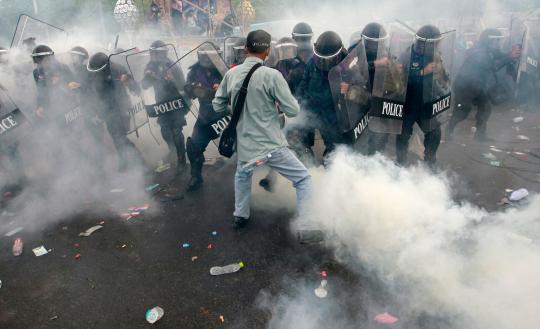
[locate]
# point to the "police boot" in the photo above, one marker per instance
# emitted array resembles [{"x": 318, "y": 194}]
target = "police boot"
[{"x": 196, "y": 160}]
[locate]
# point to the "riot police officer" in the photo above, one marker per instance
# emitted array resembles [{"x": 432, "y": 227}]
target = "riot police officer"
[
  {"x": 420, "y": 60},
  {"x": 166, "y": 80},
  {"x": 111, "y": 83},
  {"x": 202, "y": 81},
  {"x": 315, "y": 93},
  {"x": 471, "y": 87},
  {"x": 302, "y": 35}
]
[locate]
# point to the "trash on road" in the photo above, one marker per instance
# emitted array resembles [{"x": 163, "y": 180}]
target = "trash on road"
[
  {"x": 117, "y": 190},
  {"x": 321, "y": 291},
  {"x": 186, "y": 245},
  {"x": 523, "y": 138},
  {"x": 151, "y": 188},
  {"x": 162, "y": 167},
  {"x": 102, "y": 222},
  {"x": 222, "y": 319},
  {"x": 519, "y": 194},
  {"x": 214, "y": 233},
  {"x": 517, "y": 119},
  {"x": 489, "y": 156},
  {"x": 53, "y": 318},
  {"x": 0, "y": 283},
  {"x": 494, "y": 149},
  {"x": 495, "y": 163},
  {"x": 228, "y": 269},
  {"x": 18, "y": 245},
  {"x": 77, "y": 256},
  {"x": 194, "y": 258},
  {"x": 386, "y": 318},
  {"x": 91, "y": 230},
  {"x": 40, "y": 251},
  {"x": 153, "y": 315},
  {"x": 14, "y": 231},
  {"x": 209, "y": 246}
]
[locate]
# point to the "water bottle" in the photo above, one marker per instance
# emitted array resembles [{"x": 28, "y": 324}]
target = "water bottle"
[
  {"x": 153, "y": 315},
  {"x": 220, "y": 270},
  {"x": 18, "y": 247},
  {"x": 250, "y": 165}
]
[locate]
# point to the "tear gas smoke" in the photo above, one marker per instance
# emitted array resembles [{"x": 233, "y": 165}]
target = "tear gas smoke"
[{"x": 432, "y": 256}]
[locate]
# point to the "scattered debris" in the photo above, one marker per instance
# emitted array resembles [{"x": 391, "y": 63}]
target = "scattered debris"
[
  {"x": 194, "y": 258},
  {"x": 153, "y": 315},
  {"x": 504, "y": 201},
  {"x": 53, "y": 318},
  {"x": 76, "y": 245},
  {"x": 523, "y": 138},
  {"x": 517, "y": 119},
  {"x": 386, "y": 318},
  {"x": 209, "y": 246},
  {"x": 214, "y": 233},
  {"x": 77, "y": 256},
  {"x": 102, "y": 222},
  {"x": 162, "y": 167},
  {"x": 186, "y": 245},
  {"x": 232, "y": 268},
  {"x": 117, "y": 190},
  {"x": 123, "y": 246},
  {"x": 151, "y": 187},
  {"x": 519, "y": 194},
  {"x": 0, "y": 283},
  {"x": 508, "y": 190},
  {"x": 91, "y": 230},
  {"x": 222, "y": 318},
  {"x": 321, "y": 291},
  {"x": 134, "y": 212},
  {"x": 324, "y": 274},
  {"x": 495, "y": 163},
  {"x": 18, "y": 245},
  {"x": 489, "y": 156},
  {"x": 494, "y": 149},
  {"x": 40, "y": 251},
  {"x": 14, "y": 231}
]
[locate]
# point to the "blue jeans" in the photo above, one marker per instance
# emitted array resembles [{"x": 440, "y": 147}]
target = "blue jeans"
[{"x": 284, "y": 162}]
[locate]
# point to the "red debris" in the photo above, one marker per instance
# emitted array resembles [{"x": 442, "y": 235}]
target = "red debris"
[
  {"x": 77, "y": 256},
  {"x": 324, "y": 274},
  {"x": 209, "y": 246}
]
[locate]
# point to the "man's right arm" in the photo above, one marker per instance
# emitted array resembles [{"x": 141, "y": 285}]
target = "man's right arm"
[{"x": 283, "y": 96}]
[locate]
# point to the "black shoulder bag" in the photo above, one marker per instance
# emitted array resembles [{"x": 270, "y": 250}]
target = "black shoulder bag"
[{"x": 228, "y": 136}]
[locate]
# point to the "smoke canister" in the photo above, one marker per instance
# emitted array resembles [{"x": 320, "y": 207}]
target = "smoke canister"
[{"x": 153, "y": 315}]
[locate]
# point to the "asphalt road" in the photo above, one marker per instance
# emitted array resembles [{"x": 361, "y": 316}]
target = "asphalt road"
[{"x": 130, "y": 266}]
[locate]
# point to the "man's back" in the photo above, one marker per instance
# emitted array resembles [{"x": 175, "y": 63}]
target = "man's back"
[{"x": 258, "y": 130}]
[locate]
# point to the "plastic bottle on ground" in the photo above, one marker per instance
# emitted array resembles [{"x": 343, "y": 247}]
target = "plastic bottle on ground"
[
  {"x": 220, "y": 270},
  {"x": 18, "y": 246}
]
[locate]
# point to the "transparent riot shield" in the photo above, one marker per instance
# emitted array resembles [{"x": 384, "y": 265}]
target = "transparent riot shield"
[
  {"x": 234, "y": 50},
  {"x": 390, "y": 80},
  {"x": 31, "y": 32},
  {"x": 437, "y": 84},
  {"x": 272, "y": 58},
  {"x": 161, "y": 84},
  {"x": 127, "y": 92},
  {"x": 14, "y": 125},
  {"x": 203, "y": 69},
  {"x": 349, "y": 82}
]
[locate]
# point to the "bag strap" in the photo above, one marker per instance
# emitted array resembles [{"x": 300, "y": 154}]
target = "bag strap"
[{"x": 239, "y": 106}]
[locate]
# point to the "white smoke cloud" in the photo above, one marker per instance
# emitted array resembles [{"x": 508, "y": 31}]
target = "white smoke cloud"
[{"x": 431, "y": 255}]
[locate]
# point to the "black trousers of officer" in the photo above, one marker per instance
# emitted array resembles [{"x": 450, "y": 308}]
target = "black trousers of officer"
[
  {"x": 432, "y": 137},
  {"x": 171, "y": 125},
  {"x": 327, "y": 126},
  {"x": 125, "y": 148},
  {"x": 202, "y": 135},
  {"x": 465, "y": 97}
]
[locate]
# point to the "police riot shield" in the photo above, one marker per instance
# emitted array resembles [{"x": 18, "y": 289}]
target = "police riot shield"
[
  {"x": 531, "y": 49},
  {"x": 126, "y": 92},
  {"x": 349, "y": 83},
  {"x": 390, "y": 80},
  {"x": 437, "y": 86},
  {"x": 203, "y": 69},
  {"x": 31, "y": 32},
  {"x": 234, "y": 50},
  {"x": 14, "y": 125},
  {"x": 161, "y": 84},
  {"x": 272, "y": 59}
]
